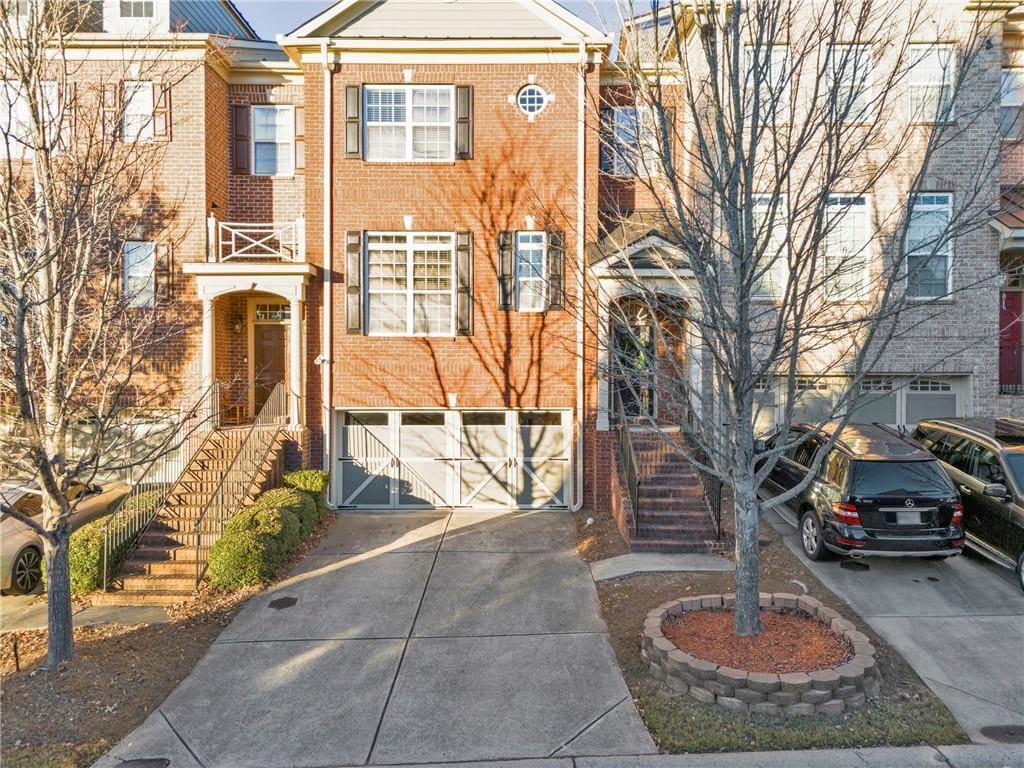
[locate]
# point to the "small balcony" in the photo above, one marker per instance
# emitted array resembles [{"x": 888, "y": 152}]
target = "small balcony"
[
  {"x": 1011, "y": 369},
  {"x": 266, "y": 243}
]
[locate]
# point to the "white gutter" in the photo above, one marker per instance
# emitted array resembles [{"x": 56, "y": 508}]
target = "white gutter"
[
  {"x": 326, "y": 345},
  {"x": 581, "y": 241}
]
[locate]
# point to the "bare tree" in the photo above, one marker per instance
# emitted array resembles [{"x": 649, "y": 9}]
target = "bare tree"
[
  {"x": 83, "y": 310},
  {"x": 790, "y": 154}
]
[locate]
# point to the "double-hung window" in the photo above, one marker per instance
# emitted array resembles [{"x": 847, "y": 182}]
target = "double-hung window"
[
  {"x": 410, "y": 122},
  {"x": 139, "y": 276},
  {"x": 769, "y": 244},
  {"x": 929, "y": 246},
  {"x": 850, "y": 68},
  {"x": 932, "y": 73},
  {"x": 16, "y": 124},
  {"x": 768, "y": 82},
  {"x": 410, "y": 284},
  {"x": 531, "y": 272},
  {"x": 137, "y": 117},
  {"x": 631, "y": 142},
  {"x": 847, "y": 243},
  {"x": 273, "y": 140}
]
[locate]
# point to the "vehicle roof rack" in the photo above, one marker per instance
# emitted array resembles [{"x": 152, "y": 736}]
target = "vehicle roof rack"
[
  {"x": 1007, "y": 427},
  {"x": 900, "y": 433}
]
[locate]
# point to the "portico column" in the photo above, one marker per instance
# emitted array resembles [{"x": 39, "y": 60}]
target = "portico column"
[
  {"x": 295, "y": 364},
  {"x": 207, "y": 357}
]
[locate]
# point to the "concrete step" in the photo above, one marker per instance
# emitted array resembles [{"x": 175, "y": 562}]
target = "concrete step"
[
  {"x": 670, "y": 545},
  {"x": 143, "y": 567}
]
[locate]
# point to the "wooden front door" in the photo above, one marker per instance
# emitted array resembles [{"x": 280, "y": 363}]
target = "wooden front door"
[{"x": 268, "y": 362}]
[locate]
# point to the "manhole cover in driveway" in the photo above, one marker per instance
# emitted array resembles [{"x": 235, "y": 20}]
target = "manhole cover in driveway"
[
  {"x": 282, "y": 602},
  {"x": 146, "y": 762},
  {"x": 1004, "y": 734}
]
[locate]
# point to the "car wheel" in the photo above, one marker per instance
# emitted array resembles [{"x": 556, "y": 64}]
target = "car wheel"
[
  {"x": 1020, "y": 570},
  {"x": 810, "y": 536},
  {"x": 27, "y": 572}
]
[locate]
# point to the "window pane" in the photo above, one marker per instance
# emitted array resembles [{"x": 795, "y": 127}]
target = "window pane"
[
  {"x": 139, "y": 284},
  {"x": 431, "y": 105},
  {"x": 387, "y": 313},
  {"x": 385, "y": 142},
  {"x": 850, "y": 67},
  {"x": 385, "y": 105},
  {"x": 531, "y": 282},
  {"x": 770, "y": 247},
  {"x": 138, "y": 111},
  {"x": 432, "y": 313},
  {"x": 846, "y": 247},
  {"x": 932, "y": 70},
  {"x": 431, "y": 142}
]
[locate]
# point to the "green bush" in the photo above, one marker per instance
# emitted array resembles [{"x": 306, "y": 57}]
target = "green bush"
[
  {"x": 85, "y": 548},
  {"x": 241, "y": 559},
  {"x": 298, "y": 503},
  {"x": 312, "y": 481}
]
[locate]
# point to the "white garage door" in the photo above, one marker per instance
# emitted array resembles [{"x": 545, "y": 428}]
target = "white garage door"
[{"x": 416, "y": 459}]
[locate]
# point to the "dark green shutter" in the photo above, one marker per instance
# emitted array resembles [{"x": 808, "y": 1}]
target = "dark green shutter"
[
  {"x": 464, "y": 272},
  {"x": 464, "y": 122},
  {"x": 506, "y": 266},
  {"x": 354, "y": 122},
  {"x": 354, "y": 281},
  {"x": 556, "y": 269}
]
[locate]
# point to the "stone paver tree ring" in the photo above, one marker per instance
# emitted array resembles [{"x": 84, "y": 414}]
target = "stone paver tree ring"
[{"x": 829, "y": 690}]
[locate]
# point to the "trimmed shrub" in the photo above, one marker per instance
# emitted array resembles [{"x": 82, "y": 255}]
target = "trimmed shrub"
[
  {"x": 241, "y": 559},
  {"x": 85, "y": 548},
  {"x": 312, "y": 481},
  {"x": 298, "y": 503}
]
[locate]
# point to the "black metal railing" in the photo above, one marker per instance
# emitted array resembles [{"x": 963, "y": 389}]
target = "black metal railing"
[
  {"x": 711, "y": 483},
  {"x": 1011, "y": 369},
  {"x": 627, "y": 460}
]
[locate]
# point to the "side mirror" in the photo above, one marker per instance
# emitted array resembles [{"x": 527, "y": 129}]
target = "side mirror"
[{"x": 996, "y": 490}]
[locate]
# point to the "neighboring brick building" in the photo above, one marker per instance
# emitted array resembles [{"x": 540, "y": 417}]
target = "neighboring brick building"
[{"x": 394, "y": 210}]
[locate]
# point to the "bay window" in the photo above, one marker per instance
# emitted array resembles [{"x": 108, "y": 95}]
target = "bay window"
[
  {"x": 929, "y": 246},
  {"x": 409, "y": 123},
  {"x": 410, "y": 284}
]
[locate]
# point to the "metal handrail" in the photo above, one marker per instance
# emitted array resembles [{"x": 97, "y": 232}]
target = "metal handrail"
[
  {"x": 711, "y": 483},
  {"x": 150, "y": 490},
  {"x": 627, "y": 460},
  {"x": 226, "y": 499}
]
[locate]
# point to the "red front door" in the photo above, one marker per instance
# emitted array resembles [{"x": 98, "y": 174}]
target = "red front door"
[{"x": 1011, "y": 339}]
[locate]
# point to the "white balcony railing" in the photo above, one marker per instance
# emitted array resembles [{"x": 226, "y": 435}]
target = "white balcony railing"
[{"x": 238, "y": 241}]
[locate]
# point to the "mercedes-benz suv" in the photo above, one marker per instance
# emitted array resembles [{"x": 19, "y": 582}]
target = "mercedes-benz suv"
[{"x": 877, "y": 492}]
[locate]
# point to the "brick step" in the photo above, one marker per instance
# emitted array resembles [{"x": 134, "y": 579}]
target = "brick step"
[
  {"x": 683, "y": 527},
  {"x": 667, "y": 518},
  {"x": 159, "y": 583},
  {"x": 171, "y": 540},
  {"x": 674, "y": 546},
  {"x": 659, "y": 503},
  {"x": 161, "y": 554},
  {"x": 123, "y": 597},
  {"x": 143, "y": 567}
]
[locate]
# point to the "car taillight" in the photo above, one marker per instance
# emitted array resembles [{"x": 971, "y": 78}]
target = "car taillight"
[
  {"x": 958, "y": 514},
  {"x": 845, "y": 513},
  {"x": 849, "y": 542}
]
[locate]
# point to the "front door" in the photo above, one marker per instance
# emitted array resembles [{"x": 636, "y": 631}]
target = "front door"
[
  {"x": 1011, "y": 340},
  {"x": 268, "y": 362}
]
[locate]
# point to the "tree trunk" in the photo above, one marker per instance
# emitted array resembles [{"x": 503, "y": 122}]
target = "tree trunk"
[
  {"x": 61, "y": 640},
  {"x": 747, "y": 613}
]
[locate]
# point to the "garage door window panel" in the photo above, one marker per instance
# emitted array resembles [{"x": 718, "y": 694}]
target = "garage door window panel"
[{"x": 424, "y": 466}]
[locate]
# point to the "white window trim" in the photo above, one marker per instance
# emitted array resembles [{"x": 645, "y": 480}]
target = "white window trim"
[
  {"x": 949, "y": 246},
  {"x": 543, "y": 278},
  {"x": 1011, "y": 87},
  {"x": 409, "y": 292},
  {"x": 868, "y": 80},
  {"x": 917, "y": 81},
  {"x": 868, "y": 250},
  {"x": 252, "y": 143},
  {"x": 410, "y": 124},
  {"x": 782, "y": 263},
  {"x": 131, "y": 299}
]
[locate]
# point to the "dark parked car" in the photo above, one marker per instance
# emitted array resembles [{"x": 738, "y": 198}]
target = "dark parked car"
[
  {"x": 985, "y": 459},
  {"x": 877, "y": 493}
]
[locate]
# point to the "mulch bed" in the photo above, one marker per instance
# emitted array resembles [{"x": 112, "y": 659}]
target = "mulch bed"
[{"x": 791, "y": 642}]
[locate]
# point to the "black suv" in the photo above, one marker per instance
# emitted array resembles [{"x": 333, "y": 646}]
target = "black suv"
[
  {"x": 877, "y": 493},
  {"x": 985, "y": 459}
]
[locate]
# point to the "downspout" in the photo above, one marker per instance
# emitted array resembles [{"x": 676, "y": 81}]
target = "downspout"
[
  {"x": 581, "y": 197},
  {"x": 326, "y": 345}
]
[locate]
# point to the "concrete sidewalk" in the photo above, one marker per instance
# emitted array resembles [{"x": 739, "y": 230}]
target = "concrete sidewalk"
[
  {"x": 27, "y": 612},
  {"x": 408, "y": 638}
]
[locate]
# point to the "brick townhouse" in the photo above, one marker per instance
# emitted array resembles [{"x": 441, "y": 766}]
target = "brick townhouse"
[{"x": 400, "y": 211}]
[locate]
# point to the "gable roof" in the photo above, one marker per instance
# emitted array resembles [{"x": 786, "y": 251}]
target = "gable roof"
[
  {"x": 635, "y": 239},
  {"x": 213, "y": 17},
  {"x": 448, "y": 19}
]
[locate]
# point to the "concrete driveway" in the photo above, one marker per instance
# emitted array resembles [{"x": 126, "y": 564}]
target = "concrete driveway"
[
  {"x": 959, "y": 623},
  {"x": 408, "y": 638}
]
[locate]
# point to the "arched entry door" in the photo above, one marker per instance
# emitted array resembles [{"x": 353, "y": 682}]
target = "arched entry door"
[{"x": 634, "y": 359}]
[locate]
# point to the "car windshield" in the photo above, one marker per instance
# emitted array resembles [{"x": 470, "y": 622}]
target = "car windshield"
[
  {"x": 1016, "y": 463},
  {"x": 899, "y": 478}
]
